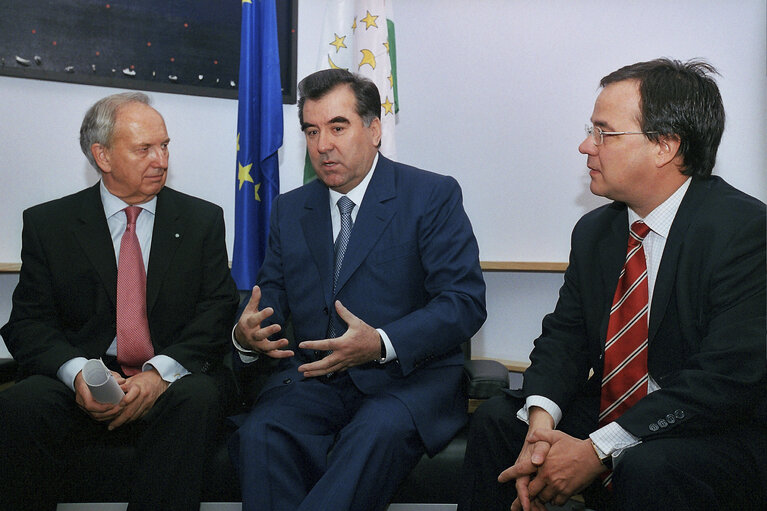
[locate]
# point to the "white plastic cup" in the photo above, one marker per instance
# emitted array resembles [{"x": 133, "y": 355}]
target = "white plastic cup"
[{"x": 101, "y": 382}]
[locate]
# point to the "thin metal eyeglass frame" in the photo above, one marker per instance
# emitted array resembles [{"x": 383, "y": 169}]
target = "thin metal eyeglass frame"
[{"x": 592, "y": 131}]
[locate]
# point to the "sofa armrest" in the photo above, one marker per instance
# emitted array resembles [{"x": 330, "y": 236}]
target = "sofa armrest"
[{"x": 485, "y": 378}]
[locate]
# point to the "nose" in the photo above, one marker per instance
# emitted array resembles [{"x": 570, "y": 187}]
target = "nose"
[
  {"x": 324, "y": 143},
  {"x": 160, "y": 156},
  {"x": 588, "y": 146}
]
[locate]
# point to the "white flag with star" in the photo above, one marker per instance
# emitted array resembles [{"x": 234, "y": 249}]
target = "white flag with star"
[{"x": 358, "y": 35}]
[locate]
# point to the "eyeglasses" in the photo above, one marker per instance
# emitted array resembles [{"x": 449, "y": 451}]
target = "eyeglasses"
[{"x": 598, "y": 135}]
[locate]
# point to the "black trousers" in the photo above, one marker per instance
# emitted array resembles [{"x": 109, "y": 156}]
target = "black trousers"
[
  {"x": 49, "y": 446},
  {"x": 722, "y": 469}
]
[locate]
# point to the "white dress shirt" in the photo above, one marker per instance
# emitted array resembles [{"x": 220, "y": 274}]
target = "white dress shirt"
[{"x": 169, "y": 369}]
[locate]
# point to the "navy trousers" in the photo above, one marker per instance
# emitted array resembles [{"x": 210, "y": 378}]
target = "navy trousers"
[{"x": 320, "y": 443}]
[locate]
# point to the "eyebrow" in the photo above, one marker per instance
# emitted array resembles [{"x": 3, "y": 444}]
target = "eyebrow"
[{"x": 335, "y": 120}]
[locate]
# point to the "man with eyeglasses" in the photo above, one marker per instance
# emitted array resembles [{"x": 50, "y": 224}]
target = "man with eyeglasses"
[{"x": 647, "y": 387}]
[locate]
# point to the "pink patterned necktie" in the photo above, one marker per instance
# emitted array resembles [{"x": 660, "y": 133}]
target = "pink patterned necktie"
[
  {"x": 624, "y": 380},
  {"x": 134, "y": 345}
]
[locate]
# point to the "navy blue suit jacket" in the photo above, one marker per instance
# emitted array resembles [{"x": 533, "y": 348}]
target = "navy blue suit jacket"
[
  {"x": 707, "y": 320},
  {"x": 411, "y": 268}
]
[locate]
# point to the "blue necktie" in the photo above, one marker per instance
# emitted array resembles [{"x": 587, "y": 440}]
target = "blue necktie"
[{"x": 345, "y": 206}]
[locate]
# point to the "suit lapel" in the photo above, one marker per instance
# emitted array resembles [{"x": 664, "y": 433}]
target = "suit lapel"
[
  {"x": 92, "y": 234},
  {"x": 168, "y": 231},
  {"x": 318, "y": 232},
  {"x": 374, "y": 215},
  {"x": 666, "y": 277},
  {"x": 612, "y": 256}
]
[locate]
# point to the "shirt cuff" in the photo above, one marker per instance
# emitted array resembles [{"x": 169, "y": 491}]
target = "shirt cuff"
[
  {"x": 541, "y": 402},
  {"x": 246, "y": 356},
  {"x": 612, "y": 439},
  {"x": 170, "y": 370},
  {"x": 69, "y": 370},
  {"x": 390, "y": 353}
]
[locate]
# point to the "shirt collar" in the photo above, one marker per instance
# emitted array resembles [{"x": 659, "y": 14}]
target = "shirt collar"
[
  {"x": 357, "y": 193},
  {"x": 113, "y": 204},
  {"x": 659, "y": 220}
]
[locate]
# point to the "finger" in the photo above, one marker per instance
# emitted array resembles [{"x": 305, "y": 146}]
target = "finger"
[
  {"x": 516, "y": 506},
  {"x": 523, "y": 497},
  {"x": 321, "y": 345},
  {"x": 255, "y": 298},
  {"x": 344, "y": 313},
  {"x": 537, "y": 490},
  {"x": 507, "y": 475},
  {"x": 253, "y": 319}
]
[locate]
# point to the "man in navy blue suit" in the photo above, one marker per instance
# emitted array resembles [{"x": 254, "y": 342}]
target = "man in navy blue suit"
[{"x": 379, "y": 300}]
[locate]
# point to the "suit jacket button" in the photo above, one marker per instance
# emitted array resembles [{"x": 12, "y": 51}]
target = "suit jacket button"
[
  {"x": 670, "y": 418},
  {"x": 662, "y": 423},
  {"x": 679, "y": 414},
  {"x": 287, "y": 381},
  {"x": 654, "y": 427}
]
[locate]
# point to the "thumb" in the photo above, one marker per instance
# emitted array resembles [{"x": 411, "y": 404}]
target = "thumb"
[
  {"x": 344, "y": 313},
  {"x": 545, "y": 435}
]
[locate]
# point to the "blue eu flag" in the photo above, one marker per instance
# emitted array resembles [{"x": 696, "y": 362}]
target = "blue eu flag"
[{"x": 259, "y": 135}]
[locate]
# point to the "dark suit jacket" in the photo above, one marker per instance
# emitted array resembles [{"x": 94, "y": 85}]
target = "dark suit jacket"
[
  {"x": 411, "y": 268},
  {"x": 707, "y": 319},
  {"x": 64, "y": 304}
]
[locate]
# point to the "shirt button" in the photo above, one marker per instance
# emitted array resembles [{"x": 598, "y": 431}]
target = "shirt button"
[{"x": 287, "y": 381}]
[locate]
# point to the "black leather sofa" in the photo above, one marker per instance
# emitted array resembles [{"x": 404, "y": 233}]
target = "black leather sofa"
[{"x": 434, "y": 480}]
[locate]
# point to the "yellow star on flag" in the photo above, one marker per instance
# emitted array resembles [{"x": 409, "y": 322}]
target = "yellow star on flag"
[
  {"x": 386, "y": 45},
  {"x": 387, "y": 106},
  {"x": 367, "y": 58},
  {"x": 370, "y": 21},
  {"x": 391, "y": 80},
  {"x": 238, "y": 142},
  {"x": 354, "y": 25},
  {"x": 338, "y": 43},
  {"x": 258, "y": 185},
  {"x": 243, "y": 174},
  {"x": 247, "y": 1}
]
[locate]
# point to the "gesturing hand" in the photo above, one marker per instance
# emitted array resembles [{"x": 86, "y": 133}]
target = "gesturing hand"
[
  {"x": 250, "y": 335},
  {"x": 358, "y": 345}
]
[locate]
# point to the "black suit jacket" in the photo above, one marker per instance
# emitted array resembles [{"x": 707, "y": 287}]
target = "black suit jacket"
[
  {"x": 64, "y": 304},
  {"x": 707, "y": 319}
]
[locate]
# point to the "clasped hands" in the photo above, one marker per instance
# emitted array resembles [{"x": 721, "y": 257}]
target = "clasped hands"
[
  {"x": 551, "y": 467},
  {"x": 360, "y": 343},
  {"x": 141, "y": 392}
]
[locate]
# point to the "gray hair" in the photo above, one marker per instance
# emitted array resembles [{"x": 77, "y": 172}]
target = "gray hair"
[{"x": 99, "y": 122}]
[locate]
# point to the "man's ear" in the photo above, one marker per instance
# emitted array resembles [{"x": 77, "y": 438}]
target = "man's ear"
[
  {"x": 375, "y": 131},
  {"x": 101, "y": 155},
  {"x": 668, "y": 150}
]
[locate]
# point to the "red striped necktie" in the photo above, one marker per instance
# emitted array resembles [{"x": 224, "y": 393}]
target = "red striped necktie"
[
  {"x": 134, "y": 345},
  {"x": 624, "y": 380}
]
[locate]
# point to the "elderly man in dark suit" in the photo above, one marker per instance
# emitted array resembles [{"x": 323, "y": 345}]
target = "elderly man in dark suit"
[
  {"x": 673, "y": 404},
  {"x": 374, "y": 377},
  {"x": 136, "y": 274}
]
